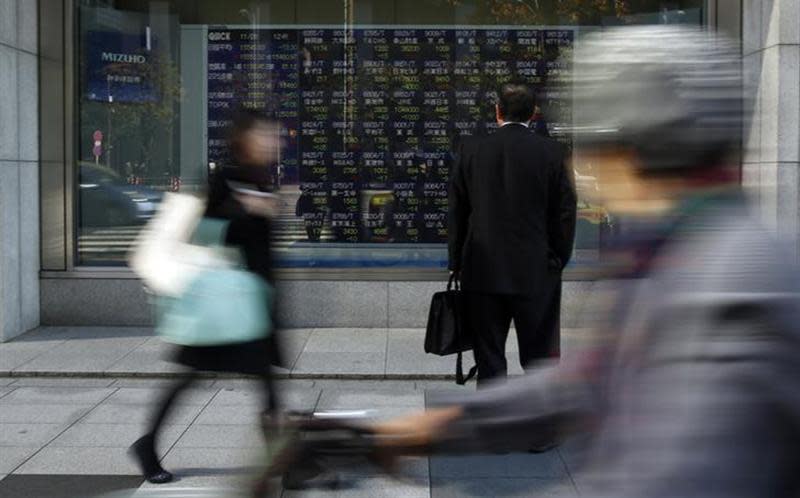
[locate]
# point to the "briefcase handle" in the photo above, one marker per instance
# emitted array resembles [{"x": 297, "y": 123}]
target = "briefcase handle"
[{"x": 453, "y": 282}]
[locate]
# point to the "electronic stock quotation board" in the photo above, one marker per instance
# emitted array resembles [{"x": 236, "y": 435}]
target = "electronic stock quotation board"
[{"x": 371, "y": 116}]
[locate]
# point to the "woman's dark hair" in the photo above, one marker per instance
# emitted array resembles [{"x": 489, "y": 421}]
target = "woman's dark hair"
[
  {"x": 219, "y": 192},
  {"x": 243, "y": 121},
  {"x": 516, "y": 102}
]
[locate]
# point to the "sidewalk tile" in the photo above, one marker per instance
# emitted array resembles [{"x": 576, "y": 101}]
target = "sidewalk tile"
[
  {"x": 340, "y": 363},
  {"x": 376, "y": 487},
  {"x": 288, "y": 385},
  {"x": 365, "y": 385},
  {"x": 45, "y": 334},
  {"x": 13, "y": 456},
  {"x": 244, "y": 397},
  {"x": 24, "y": 434},
  {"x": 406, "y": 355},
  {"x": 69, "y": 486},
  {"x": 297, "y": 398},
  {"x": 108, "y": 413},
  {"x": 337, "y": 399},
  {"x": 82, "y": 461},
  {"x": 412, "y": 468},
  {"x": 292, "y": 342},
  {"x": 466, "y": 487},
  {"x": 347, "y": 341},
  {"x": 42, "y": 413},
  {"x": 58, "y": 395},
  {"x": 113, "y": 435},
  {"x": 83, "y": 355},
  {"x": 137, "y": 365},
  {"x": 292, "y": 399},
  {"x": 418, "y": 363},
  {"x": 519, "y": 465},
  {"x": 444, "y": 385},
  {"x": 412, "y": 340},
  {"x": 15, "y": 354},
  {"x": 160, "y": 383},
  {"x": 152, "y": 356},
  {"x": 217, "y": 414},
  {"x": 63, "y": 382},
  {"x": 211, "y": 461},
  {"x": 228, "y": 484},
  {"x": 255, "y": 384},
  {"x": 416, "y": 337},
  {"x": 140, "y": 396},
  {"x": 83, "y": 333},
  {"x": 222, "y": 436}
]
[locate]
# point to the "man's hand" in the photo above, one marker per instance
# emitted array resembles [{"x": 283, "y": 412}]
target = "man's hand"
[{"x": 417, "y": 430}]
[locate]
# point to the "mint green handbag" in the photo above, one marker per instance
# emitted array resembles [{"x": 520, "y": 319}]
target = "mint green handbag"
[{"x": 223, "y": 304}]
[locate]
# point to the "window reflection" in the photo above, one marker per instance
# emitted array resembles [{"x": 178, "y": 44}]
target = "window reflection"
[{"x": 373, "y": 97}]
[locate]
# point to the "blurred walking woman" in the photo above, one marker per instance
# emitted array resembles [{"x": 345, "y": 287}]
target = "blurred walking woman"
[{"x": 240, "y": 194}]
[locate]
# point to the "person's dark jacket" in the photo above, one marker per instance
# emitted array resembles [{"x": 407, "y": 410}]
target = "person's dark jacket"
[
  {"x": 250, "y": 233},
  {"x": 512, "y": 212}
]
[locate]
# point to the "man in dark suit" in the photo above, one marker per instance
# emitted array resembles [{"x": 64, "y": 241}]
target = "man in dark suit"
[{"x": 511, "y": 228}]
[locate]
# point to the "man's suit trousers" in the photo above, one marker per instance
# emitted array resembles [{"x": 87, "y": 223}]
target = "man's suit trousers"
[{"x": 536, "y": 319}]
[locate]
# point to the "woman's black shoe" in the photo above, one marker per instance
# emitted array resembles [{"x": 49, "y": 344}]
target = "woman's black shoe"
[
  {"x": 143, "y": 451},
  {"x": 161, "y": 477}
]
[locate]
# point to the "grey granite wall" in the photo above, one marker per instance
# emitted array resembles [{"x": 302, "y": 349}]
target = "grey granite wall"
[
  {"x": 771, "y": 54},
  {"x": 19, "y": 168},
  {"x": 304, "y": 303}
]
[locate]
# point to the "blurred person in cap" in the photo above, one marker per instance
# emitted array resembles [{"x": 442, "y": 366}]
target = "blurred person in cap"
[
  {"x": 238, "y": 192},
  {"x": 693, "y": 387}
]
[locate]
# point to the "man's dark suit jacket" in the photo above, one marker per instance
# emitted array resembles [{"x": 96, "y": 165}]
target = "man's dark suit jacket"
[{"x": 511, "y": 223}]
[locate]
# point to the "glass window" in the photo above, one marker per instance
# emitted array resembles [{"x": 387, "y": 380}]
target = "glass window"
[{"x": 373, "y": 97}]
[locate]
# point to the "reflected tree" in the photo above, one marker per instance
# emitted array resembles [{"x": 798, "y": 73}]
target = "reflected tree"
[
  {"x": 554, "y": 12},
  {"x": 151, "y": 122}
]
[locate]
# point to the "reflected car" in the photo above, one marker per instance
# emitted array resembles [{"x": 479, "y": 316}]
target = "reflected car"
[{"x": 106, "y": 199}]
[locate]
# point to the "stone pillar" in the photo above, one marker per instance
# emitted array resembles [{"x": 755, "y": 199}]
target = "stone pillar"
[
  {"x": 19, "y": 168},
  {"x": 771, "y": 58}
]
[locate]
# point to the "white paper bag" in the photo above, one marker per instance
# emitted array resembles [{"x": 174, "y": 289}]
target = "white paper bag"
[{"x": 162, "y": 256}]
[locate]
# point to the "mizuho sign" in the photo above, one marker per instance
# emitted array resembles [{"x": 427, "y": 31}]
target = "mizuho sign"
[{"x": 126, "y": 58}]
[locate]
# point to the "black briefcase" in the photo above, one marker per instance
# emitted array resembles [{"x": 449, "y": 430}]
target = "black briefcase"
[{"x": 446, "y": 333}]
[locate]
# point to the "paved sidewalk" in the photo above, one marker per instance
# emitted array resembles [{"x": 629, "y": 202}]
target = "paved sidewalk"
[
  {"x": 73, "y": 399},
  {"x": 122, "y": 352},
  {"x": 56, "y": 433}
]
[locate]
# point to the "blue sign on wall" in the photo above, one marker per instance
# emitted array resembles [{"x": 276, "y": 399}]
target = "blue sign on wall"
[{"x": 119, "y": 67}]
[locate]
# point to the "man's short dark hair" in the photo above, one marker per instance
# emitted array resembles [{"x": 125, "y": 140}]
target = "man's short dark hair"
[{"x": 516, "y": 102}]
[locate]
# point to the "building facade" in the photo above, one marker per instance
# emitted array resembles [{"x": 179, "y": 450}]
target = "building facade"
[{"x": 107, "y": 105}]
